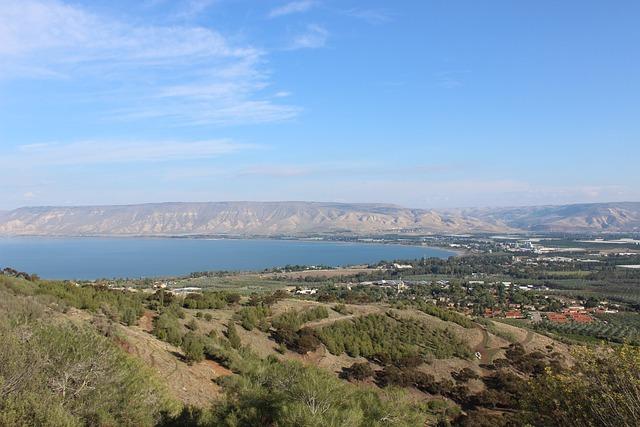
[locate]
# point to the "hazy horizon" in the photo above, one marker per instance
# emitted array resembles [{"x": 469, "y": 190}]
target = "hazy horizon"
[{"x": 314, "y": 202}]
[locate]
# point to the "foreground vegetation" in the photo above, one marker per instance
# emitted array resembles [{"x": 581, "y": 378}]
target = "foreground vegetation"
[
  {"x": 56, "y": 372},
  {"x": 68, "y": 357}
]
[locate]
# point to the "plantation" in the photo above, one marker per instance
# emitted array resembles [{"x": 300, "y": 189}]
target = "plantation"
[
  {"x": 616, "y": 330},
  {"x": 294, "y": 319},
  {"x": 446, "y": 315},
  {"x": 389, "y": 339}
]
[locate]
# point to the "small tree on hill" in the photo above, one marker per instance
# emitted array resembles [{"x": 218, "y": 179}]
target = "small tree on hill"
[
  {"x": 232, "y": 336},
  {"x": 359, "y": 371},
  {"x": 193, "y": 347}
]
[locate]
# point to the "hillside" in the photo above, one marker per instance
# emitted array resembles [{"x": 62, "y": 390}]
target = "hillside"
[
  {"x": 187, "y": 357},
  {"x": 243, "y": 349},
  {"x": 274, "y": 218},
  {"x": 593, "y": 217}
]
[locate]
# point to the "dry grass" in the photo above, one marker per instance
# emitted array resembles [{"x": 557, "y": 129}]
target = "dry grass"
[{"x": 191, "y": 384}]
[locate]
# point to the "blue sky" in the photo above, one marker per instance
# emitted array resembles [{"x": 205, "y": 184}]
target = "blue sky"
[{"x": 420, "y": 103}]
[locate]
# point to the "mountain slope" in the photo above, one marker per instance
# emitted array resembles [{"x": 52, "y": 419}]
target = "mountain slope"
[
  {"x": 272, "y": 218},
  {"x": 624, "y": 216}
]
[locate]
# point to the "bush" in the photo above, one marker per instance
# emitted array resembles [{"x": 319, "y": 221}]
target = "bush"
[
  {"x": 57, "y": 373},
  {"x": 253, "y": 316},
  {"x": 358, "y": 371},
  {"x": 232, "y": 336},
  {"x": 290, "y": 394},
  {"x": 465, "y": 375},
  {"x": 602, "y": 388},
  {"x": 341, "y": 308},
  {"x": 193, "y": 347},
  {"x": 192, "y": 325},
  {"x": 306, "y": 341},
  {"x": 167, "y": 328}
]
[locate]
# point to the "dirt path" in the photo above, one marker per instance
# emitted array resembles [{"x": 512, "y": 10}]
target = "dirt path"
[
  {"x": 146, "y": 321},
  {"x": 487, "y": 353},
  {"x": 528, "y": 338},
  {"x": 330, "y": 320}
]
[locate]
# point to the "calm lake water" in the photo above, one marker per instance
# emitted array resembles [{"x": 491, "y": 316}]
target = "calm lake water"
[{"x": 91, "y": 258}]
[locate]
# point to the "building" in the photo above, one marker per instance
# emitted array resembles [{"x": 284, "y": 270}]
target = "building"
[{"x": 514, "y": 314}]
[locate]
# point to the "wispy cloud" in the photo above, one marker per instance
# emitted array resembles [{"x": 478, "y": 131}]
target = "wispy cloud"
[
  {"x": 371, "y": 16},
  {"x": 195, "y": 7},
  {"x": 314, "y": 37},
  {"x": 45, "y": 39},
  {"x": 292, "y": 7},
  {"x": 451, "y": 79},
  {"x": 275, "y": 171},
  {"x": 105, "y": 152}
]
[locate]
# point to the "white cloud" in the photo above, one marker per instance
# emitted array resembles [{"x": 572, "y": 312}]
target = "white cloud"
[
  {"x": 314, "y": 37},
  {"x": 371, "y": 16},
  {"x": 45, "y": 39},
  {"x": 195, "y": 7},
  {"x": 105, "y": 152},
  {"x": 292, "y": 7}
]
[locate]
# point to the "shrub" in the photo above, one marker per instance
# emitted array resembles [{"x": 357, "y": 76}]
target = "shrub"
[
  {"x": 290, "y": 394},
  {"x": 253, "y": 316},
  {"x": 602, "y": 388},
  {"x": 192, "y": 325},
  {"x": 465, "y": 375},
  {"x": 167, "y": 328},
  {"x": 193, "y": 347},
  {"x": 68, "y": 375},
  {"x": 358, "y": 371},
  {"x": 232, "y": 336}
]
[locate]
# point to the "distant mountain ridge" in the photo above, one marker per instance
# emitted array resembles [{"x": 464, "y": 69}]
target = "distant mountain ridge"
[{"x": 291, "y": 218}]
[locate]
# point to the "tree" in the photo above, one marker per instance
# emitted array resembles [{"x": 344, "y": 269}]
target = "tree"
[
  {"x": 601, "y": 389},
  {"x": 291, "y": 394},
  {"x": 192, "y": 325},
  {"x": 167, "y": 328},
  {"x": 193, "y": 347},
  {"x": 359, "y": 371},
  {"x": 233, "y": 298},
  {"x": 232, "y": 335},
  {"x": 306, "y": 341}
]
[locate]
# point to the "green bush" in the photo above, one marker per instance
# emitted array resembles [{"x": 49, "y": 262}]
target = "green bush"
[
  {"x": 232, "y": 336},
  {"x": 253, "y": 316},
  {"x": 290, "y": 394},
  {"x": 193, "y": 347},
  {"x": 167, "y": 328},
  {"x": 58, "y": 374}
]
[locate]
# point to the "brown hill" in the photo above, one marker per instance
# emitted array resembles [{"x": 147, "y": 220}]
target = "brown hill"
[{"x": 278, "y": 218}]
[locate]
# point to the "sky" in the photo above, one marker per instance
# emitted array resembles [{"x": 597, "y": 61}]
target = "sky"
[{"x": 425, "y": 103}]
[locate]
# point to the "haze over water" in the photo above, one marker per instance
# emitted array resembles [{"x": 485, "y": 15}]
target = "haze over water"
[{"x": 92, "y": 258}]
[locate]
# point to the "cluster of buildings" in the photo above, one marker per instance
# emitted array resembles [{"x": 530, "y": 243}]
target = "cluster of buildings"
[{"x": 578, "y": 314}]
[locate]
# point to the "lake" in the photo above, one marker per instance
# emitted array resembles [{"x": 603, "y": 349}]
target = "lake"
[{"x": 92, "y": 258}]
